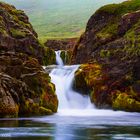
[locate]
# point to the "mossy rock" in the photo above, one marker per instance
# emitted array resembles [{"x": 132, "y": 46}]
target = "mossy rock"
[
  {"x": 49, "y": 101},
  {"x": 45, "y": 111},
  {"x": 87, "y": 77},
  {"x": 121, "y": 8},
  {"x": 66, "y": 56},
  {"x": 33, "y": 89},
  {"x": 19, "y": 34},
  {"x": 49, "y": 57},
  {"x": 126, "y": 102}
]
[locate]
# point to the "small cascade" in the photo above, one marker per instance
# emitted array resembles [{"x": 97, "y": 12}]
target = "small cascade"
[
  {"x": 72, "y": 103},
  {"x": 59, "y": 61},
  {"x": 63, "y": 76}
]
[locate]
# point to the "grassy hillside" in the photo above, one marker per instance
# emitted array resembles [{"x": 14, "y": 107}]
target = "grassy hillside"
[{"x": 59, "y": 18}]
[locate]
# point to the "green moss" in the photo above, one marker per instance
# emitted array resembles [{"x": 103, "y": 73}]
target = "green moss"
[
  {"x": 49, "y": 101},
  {"x": 16, "y": 12},
  {"x": 132, "y": 47},
  {"x": 28, "y": 108},
  {"x": 105, "y": 53},
  {"x": 116, "y": 11},
  {"x": 49, "y": 57},
  {"x": 32, "y": 49},
  {"x": 109, "y": 31},
  {"x": 87, "y": 77},
  {"x": 44, "y": 111},
  {"x": 2, "y": 27},
  {"x": 65, "y": 55},
  {"x": 125, "y": 102},
  {"x": 25, "y": 24},
  {"x": 3, "y": 31},
  {"x": 1, "y": 18},
  {"x": 17, "y": 33},
  {"x": 51, "y": 88},
  {"x": 122, "y": 8}
]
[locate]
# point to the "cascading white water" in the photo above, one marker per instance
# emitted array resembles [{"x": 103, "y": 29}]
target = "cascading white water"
[
  {"x": 59, "y": 61},
  {"x": 72, "y": 103},
  {"x": 63, "y": 76}
]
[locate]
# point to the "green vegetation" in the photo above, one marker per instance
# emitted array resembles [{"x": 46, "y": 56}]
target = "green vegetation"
[
  {"x": 17, "y": 33},
  {"x": 133, "y": 47},
  {"x": 125, "y": 102},
  {"x": 65, "y": 55},
  {"x": 120, "y": 9},
  {"x": 117, "y": 10},
  {"x": 105, "y": 53},
  {"x": 109, "y": 31},
  {"x": 49, "y": 57},
  {"x": 59, "y": 18}
]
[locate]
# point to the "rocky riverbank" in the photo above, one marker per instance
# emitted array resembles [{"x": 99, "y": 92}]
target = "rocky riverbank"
[
  {"x": 25, "y": 88},
  {"x": 108, "y": 51},
  {"x": 111, "y": 48}
]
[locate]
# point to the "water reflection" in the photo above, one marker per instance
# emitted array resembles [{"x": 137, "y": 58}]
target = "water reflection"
[{"x": 53, "y": 129}]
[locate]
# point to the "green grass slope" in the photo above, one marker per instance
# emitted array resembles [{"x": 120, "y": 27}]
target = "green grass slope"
[{"x": 59, "y": 18}]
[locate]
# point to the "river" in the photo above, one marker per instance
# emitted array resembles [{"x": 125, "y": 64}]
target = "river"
[{"x": 77, "y": 118}]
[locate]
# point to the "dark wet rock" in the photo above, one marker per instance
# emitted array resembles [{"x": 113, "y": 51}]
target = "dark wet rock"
[
  {"x": 112, "y": 40},
  {"x": 62, "y": 44},
  {"x": 29, "y": 88},
  {"x": 18, "y": 35},
  {"x": 25, "y": 88}
]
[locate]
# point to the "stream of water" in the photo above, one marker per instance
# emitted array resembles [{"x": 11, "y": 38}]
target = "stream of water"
[{"x": 77, "y": 118}]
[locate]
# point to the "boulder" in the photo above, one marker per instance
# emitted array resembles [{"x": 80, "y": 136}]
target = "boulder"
[{"x": 38, "y": 89}]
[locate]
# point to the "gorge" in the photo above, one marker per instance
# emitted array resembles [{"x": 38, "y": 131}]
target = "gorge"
[
  {"x": 80, "y": 88},
  {"x": 76, "y": 119}
]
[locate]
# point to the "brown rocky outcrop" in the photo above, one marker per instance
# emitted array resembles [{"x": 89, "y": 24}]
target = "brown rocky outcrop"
[
  {"x": 62, "y": 44},
  {"x": 25, "y": 88},
  {"x": 112, "y": 40},
  {"x": 18, "y": 35},
  {"x": 65, "y": 45}
]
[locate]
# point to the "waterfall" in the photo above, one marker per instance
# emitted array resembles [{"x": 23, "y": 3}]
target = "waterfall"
[
  {"x": 72, "y": 103},
  {"x": 59, "y": 61},
  {"x": 63, "y": 76}
]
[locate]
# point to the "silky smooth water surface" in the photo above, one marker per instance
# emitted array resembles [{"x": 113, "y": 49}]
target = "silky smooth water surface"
[{"x": 122, "y": 126}]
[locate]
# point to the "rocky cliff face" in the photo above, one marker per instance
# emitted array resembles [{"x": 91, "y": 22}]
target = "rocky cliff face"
[
  {"x": 17, "y": 34},
  {"x": 62, "y": 44},
  {"x": 65, "y": 45},
  {"x": 25, "y": 89},
  {"x": 109, "y": 24},
  {"x": 112, "y": 41}
]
